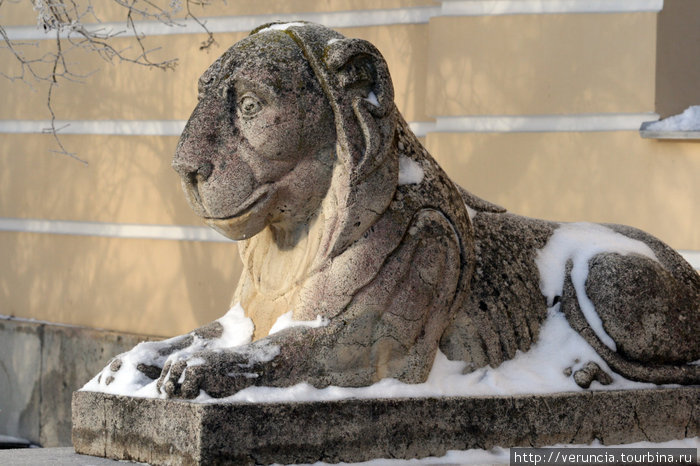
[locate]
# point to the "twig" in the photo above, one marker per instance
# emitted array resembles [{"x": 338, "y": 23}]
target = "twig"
[
  {"x": 52, "y": 84},
  {"x": 210, "y": 36},
  {"x": 66, "y": 18}
]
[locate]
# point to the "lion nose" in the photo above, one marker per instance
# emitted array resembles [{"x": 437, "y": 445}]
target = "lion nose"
[
  {"x": 202, "y": 174},
  {"x": 193, "y": 174},
  {"x": 204, "y": 171}
]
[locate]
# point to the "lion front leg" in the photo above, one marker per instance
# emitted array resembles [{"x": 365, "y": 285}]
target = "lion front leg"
[
  {"x": 395, "y": 323},
  {"x": 390, "y": 328},
  {"x": 136, "y": 369}
]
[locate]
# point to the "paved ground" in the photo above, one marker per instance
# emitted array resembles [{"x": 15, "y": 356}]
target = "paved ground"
[{"x": 52, "y": 456}]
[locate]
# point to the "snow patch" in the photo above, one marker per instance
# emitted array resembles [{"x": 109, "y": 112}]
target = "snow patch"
[
  {"x": 499, "y": 455},
  {"x": 281, "y": 26},
  {"x": 471, "y": 212},
  {"x": 410, "y": 171},
  {"x": 286, "y": 321},
  {"x": 540, "y": 370},
  {"x": 238, "y": 329},
  {"x": 579, "y": 242},
  {"x": 689, "y": 120},
  {"x": 128, "y": 380},
  {"x": 260, "y": 352},
  {"x": 372, "y": 99}
]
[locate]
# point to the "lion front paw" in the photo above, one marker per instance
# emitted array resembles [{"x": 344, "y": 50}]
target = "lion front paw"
[
  {"x": 217, "y": 373},
  {"x": 135, "y": 369},
  {"x": 140, "y": 371},
  {"x": 110, "y": 371}
]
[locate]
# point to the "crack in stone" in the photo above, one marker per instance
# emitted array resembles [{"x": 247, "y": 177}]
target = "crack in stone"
[
  {"x": 639, "y": 424},
  {"x": 573, "y": 437},
  {"x": 690, "y": 419}
]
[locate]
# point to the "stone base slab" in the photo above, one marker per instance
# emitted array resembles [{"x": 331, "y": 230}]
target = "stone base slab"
[{"x": 181, "y": 432}]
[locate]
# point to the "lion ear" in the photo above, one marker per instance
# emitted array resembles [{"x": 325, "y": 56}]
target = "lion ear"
[{"x": 362, "y": 72}]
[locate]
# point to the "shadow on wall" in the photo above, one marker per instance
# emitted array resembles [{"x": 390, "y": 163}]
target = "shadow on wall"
[
  {"x": 614, "y": 177},
  {"x": 677, "y": 66},
  {"x": 116, "y": 91},
  {"x": 156, "y": 287},
  {"x": 544, "y": 64}
]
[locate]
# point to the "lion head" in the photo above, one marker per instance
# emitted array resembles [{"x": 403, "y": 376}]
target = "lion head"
[
  {"x": 290, "y": 116},
  {"x": 291, "y": 151}
]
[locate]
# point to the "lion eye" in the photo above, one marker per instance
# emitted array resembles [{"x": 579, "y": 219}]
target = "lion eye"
[{"x": 249, "y": 105}]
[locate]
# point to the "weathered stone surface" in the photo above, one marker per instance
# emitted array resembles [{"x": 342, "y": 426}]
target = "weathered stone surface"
[
  {"x": 20, "y": 379},
  {"x": 40, "y": 367},
  {"x": 70, "y": 357},
  {"x": 180, "y": 432},
  {"x": 136, "y": 428},
  {"x": 297, "y": 150}
]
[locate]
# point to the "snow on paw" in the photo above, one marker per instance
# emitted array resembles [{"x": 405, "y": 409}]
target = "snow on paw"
[
  {"x": 215, "y": 372},
  {"x": 141, "y": 370},
  {"x": 179, "y": 379},
  {"x": 132, "y": 372}
]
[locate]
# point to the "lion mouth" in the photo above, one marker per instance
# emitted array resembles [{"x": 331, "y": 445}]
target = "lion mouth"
[{"x": 257, "y": 197}]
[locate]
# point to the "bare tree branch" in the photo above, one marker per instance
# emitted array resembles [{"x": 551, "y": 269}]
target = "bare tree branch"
[
  {"x": 69, "y": 21},
  {"x": 59, "y": 59},
  {"x": 210, "y": 36}
]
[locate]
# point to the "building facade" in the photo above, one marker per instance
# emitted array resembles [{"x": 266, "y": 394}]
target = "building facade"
[{"x": 533, "y": 105}]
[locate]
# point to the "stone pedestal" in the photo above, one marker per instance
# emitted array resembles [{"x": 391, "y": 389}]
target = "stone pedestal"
[{"x": 182, "y": 432}]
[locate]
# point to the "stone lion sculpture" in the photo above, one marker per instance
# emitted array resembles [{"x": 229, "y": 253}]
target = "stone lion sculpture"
[{"x": 297, "y": 150}]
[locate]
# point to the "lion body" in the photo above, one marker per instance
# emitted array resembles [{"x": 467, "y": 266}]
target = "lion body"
[{"x": 295, "y": 150}]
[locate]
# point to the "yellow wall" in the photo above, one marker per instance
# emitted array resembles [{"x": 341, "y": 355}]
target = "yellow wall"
[
  {"x": 611, "y": 177},
  {"x": 541, "y": 64},
  {"x": 128, "y": 179},
  {"x": 138, "y": 286},
  {"x": 443, "y": 66}
]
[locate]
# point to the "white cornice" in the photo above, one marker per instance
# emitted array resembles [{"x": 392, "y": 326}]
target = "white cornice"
[
  {"x": 693, "y": 258},
  {"x": 245, "y": 23},
  {"x": 111, "y": 230},
  {"x": 542, "y": 123},
  {"x": 155, "y": 232},
  {"x": 442, "y": 124},
  {"x": 512, "y": 7},
  {"x": 361, "y": 18},
  {"x": 111, "y": 127}
]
